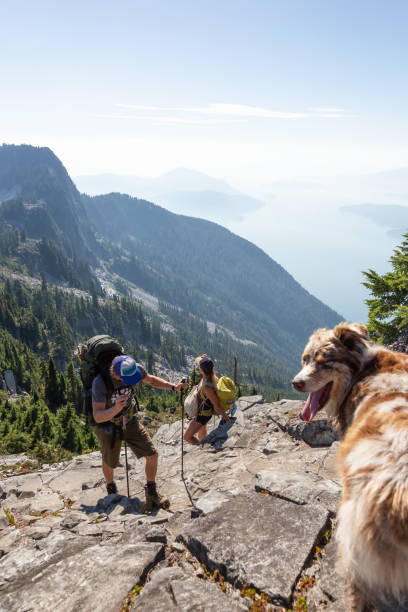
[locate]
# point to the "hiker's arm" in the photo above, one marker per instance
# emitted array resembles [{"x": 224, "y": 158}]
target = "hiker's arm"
[
  {"x": 160, "y": 383},
  {"x": 212, "y": 396},
  {"x": 102, "y": 414}
]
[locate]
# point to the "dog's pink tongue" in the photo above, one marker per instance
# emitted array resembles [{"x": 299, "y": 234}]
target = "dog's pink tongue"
[{"x": 311, "y": 406}]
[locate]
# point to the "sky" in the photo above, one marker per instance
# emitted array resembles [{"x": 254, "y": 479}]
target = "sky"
[{"x": 250, "y": 91}]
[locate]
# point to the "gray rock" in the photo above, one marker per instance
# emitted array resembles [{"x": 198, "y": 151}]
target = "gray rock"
[
  {"x": 169, "y": 434},
  {"x": 330, "y": 588},
  {"x": 171, "y": 589},
  {"x": 15, "y": 505},
  {"x": 37, "y": 531},
  {"x": 20, "y": 565},
  {"x": 71, "y": 519},
  {"x": 11, "y": 539},
  {"x": 96, "y": 578},
  {"x": 211, "y": 500},
  {"x": 243, "y": 403},
  {"x": 300, "y": 487},
  {"x": 156, "y": 534},
  {"x": 42, "y": 504},
  {"x": 53, "y": 522},
  {"x": 26, "y": 494},
  {"x": 317, "y": 433},
  {"x": 3, "y": 521},
  {"x": 259, "y": 540},
  {"x": 13, "y": 459},
  {"x": 91, "y": 484},
  {"x": 10, "y": 382},
  {"x": 88, "y": 529},
  {"x": 112, "y": 528}
]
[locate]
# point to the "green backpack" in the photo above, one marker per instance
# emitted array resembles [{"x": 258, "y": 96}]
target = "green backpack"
[
  {"x": 226, "y": 392},
  {"x": 96, "y": 356}
]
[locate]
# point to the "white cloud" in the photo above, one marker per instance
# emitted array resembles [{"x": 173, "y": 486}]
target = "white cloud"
[
  {"x": 241, "y": 110},
  {"x": 321, "y": 109},
  {"x": 157, "y": 119}
]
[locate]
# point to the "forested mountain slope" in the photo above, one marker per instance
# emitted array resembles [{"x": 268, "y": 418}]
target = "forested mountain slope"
[
  {"x": 196, "y": 271},
  {"x": 39, "y": 197},
  {"x": 205, "y": 269}
]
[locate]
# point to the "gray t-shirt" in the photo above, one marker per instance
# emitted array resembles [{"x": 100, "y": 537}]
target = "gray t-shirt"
[{"x": 99, "y": 391}]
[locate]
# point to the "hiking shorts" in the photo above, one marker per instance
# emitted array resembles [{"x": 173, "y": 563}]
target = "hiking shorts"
[
  {"x": 203, "y": 419},
  {"x": 137, "y": 439}
]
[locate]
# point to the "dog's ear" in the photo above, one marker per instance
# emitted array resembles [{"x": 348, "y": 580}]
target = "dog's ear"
[
  {"x": 352, "y": 335},
  {"x": 361, "y": 329}
]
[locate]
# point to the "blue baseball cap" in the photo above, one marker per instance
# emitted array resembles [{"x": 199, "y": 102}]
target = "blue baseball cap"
[{"x": 126, "y": 367}]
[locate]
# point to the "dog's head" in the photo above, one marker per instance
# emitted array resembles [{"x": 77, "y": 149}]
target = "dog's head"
[{"x": 330, "y": 362}]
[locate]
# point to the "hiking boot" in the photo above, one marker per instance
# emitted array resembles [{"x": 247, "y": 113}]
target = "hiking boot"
[
  {"x": 111, "y": 488},
  {"x": 154, "y": 500}
]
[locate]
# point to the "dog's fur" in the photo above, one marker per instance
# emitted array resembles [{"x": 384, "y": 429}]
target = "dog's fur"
[{"x": 368, "y": 398}]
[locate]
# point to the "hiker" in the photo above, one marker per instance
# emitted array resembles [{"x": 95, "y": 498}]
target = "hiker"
[
  {"x": 124, "y": 373},
  {"x": 210, "y": 403}
]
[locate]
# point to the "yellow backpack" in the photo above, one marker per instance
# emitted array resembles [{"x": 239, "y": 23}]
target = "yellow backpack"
[{"x": 226, "y": 392}]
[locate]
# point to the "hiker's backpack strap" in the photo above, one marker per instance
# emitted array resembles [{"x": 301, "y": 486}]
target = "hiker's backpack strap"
[
  {"x": 206, "y": 405},
  {"x": 106, "y": 377}
]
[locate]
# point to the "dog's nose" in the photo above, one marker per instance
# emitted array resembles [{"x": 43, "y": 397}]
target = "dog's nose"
[{"x": 298, "y": 384}]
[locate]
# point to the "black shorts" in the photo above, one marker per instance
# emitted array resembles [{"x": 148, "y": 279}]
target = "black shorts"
[{"x": 203, "y": 420}]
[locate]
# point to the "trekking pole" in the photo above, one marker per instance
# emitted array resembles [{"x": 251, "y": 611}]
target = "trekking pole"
[
  {"x": 182, "y": 429},
  {"x": 126, "y": 461},
  {"x": 196, "y": 511}
]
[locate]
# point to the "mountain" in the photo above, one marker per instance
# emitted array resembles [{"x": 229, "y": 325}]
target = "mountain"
[
  {"x": 182, "y": 191},
  {"x": 38, "y": 196},
  {"x": 390, "y": 216},
  {"x": 205, "y": 269},
  {"x": 180, "y": 179},
  {"x": 206, "y": 289}
]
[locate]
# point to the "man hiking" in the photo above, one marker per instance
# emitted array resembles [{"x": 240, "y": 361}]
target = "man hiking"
[{"x": 109, "y": 410}]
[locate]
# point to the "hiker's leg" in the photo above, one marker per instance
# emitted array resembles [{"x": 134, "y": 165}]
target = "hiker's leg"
[
  {"x": 202, "y": 433},
  {"x": 151, "y": 467},
  {"x": 192, "y": 429},
  {"x": 110, "y": 455},
  {"x": 107, "y": 472}
]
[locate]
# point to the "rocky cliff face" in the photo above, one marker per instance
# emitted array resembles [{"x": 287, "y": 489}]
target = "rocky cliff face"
[{"x": 265, "y": 494}]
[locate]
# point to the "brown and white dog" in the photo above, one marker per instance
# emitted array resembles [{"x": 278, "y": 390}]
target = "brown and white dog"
[{"x": 364, "y": 388}]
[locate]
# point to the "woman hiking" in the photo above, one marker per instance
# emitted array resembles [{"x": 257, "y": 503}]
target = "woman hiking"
[{"x": 209, "y": 402}]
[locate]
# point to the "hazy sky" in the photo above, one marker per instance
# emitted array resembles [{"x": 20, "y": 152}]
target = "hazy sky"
[{"x": 251, "y": 91}]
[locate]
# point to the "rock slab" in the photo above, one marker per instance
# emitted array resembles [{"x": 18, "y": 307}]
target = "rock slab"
[
  {"x": 96, "y": 578},
  {"x": 259, "y": 540},
  {"x": 172, "y": 589}
]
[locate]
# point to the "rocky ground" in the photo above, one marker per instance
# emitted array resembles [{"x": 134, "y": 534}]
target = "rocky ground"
[{"x": 258, "y": 537}]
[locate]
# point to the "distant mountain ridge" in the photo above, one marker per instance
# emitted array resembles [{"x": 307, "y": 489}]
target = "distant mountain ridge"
[
  {"x": 180, "y": 179},
  {"x": 192, "y": 266},
  {"x": 392, "y": 216},
  {"x": 182, "y": 191}
]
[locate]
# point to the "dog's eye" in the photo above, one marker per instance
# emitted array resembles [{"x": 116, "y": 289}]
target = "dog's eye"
[{"x": 305, "y": 359}]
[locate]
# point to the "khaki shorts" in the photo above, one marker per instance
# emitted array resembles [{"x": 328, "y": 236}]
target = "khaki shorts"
[{"x": 137, "y": 439}]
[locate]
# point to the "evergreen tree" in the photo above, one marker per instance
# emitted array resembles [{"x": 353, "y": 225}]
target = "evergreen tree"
[
  {"x": 150, "y": 361},
  {"x": 388, "y": 308},
  {"x": 52, "y": 388}
]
